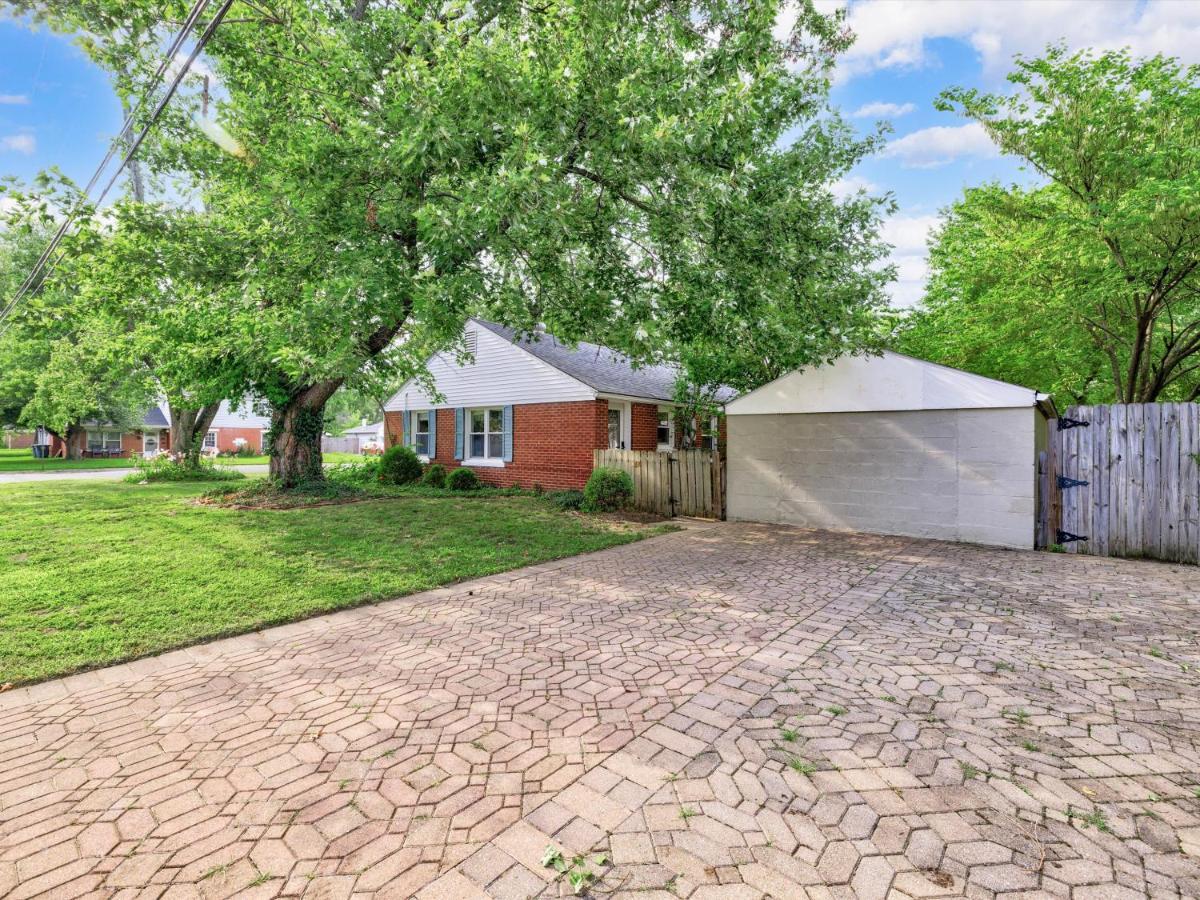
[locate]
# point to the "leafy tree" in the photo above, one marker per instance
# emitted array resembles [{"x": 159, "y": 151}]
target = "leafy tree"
[
  {"x": 59, "y": 365},
  {"x": 997, "y": 302},
  {"x": 615, "y": 170},
  {"x": 1108, "y": 252}
]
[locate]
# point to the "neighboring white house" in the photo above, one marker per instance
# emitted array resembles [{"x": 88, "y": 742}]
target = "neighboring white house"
[{"x": 889, "y": 444}]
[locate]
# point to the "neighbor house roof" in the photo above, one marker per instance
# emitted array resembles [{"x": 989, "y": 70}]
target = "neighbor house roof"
[
  {"x": 376, "y": 428},
  {"x": 156, "y": 417},
  {"x": 600, "y": 368},
  {"x": 888, "y": 381}
]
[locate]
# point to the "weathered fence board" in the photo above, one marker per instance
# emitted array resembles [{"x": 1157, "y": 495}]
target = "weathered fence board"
[
  {"x": 680, "y": 483},
  {"x": 1142, "y": 496},
  {"x": 347, "y": 444}
]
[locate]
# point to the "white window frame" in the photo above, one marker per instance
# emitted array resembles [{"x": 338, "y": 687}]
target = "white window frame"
[
  {"x": 106, "y": 438},
  {"x": 670, "y": 428},
  {"x": 205, "y": 445},
  {"x": 414, "y": 419},
  {"x": 712, "y": 433},
  {"x": 488, "y": 459}
]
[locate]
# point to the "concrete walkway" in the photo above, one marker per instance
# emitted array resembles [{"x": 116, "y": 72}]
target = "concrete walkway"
[
  {"x": 94, "y": 474},
  {"x": 727, "y": 712}
]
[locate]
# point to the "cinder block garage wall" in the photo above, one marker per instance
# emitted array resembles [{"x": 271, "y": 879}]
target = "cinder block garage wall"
[{"x": 959, "y": 475}]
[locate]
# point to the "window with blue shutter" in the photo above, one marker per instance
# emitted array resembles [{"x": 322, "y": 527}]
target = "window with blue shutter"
[
  {"x": 508, "y": 433},
  {"x": 459, "y": 432},
  {"x": 432, "y": 433},
  {"x": 405, "y": 437}
]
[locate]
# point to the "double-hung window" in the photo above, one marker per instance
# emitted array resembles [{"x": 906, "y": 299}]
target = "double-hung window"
[
  {"x": 666, "y": 428},
  {"x": 420, "y": 430},
  {"x": 486, "y": 433},
  {"x": 712, "y": 432},
  {"x": 210, "y": 440},
  {"x": 107, "y": 441}
]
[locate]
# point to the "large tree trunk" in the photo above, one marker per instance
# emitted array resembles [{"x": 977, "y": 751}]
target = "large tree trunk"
[
  {"x": 74, "y": 441},
  {"x": 188, "y": 428},
  {"x": 296, "y": 429}
]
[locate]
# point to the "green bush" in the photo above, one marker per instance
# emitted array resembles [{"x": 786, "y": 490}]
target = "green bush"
[
  {"x": 399, "y": 465},
  {"x": 163, "y": 468},
  {"x": 358, "y": 474},
  {"x": 463, "y": 480},
  {"x": 435, "y": 476},
  {"x": 607, "y": 490},
  {"x": 567, "y": 499}
]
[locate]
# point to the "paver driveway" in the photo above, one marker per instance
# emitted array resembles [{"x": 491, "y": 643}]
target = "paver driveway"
[{"x": 732, "y": 711}]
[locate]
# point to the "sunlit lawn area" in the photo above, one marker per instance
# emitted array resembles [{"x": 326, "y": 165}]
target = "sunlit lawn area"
[
  {"x": 96, "y": 572},
  {"x": 23, "y": 461}
]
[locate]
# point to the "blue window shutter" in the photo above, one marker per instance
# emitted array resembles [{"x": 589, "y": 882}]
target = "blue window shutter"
[
  {"x": 458, "y": 432},
  {"x": 432, "y": 433},
  {"x": 508, "y": 435},
  {"x": 405, "y": 437}
]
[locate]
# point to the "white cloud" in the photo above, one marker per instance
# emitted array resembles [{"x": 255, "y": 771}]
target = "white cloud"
[
  {"x": 897, "y": 33},
  {"x": 941, "y": 144},
  {"x": 13, "y": 100},
  {"x": 907, "y": 234},
  {"x": 879, "y": 109},
  {"x": 20, "y": 143},
  {"x": 852, "y": 184}
]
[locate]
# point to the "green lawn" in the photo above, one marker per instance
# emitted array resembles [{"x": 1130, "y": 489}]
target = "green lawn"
[
  {"x": 96, "y": 572},
  {"x": 23, "y": 461}
]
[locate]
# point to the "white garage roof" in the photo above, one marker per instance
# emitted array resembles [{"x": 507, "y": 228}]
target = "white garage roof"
[{"x": 891, "y": 381}]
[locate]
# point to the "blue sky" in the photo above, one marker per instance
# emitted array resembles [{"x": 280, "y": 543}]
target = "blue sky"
[{"x": 57, "y": 109}]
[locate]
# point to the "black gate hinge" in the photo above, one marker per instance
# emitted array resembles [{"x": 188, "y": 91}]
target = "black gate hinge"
[
  {"x": 1064, "y": 482},
  {"x": 1065, "y": 422},
  {"x": 1065, "y": 537}
]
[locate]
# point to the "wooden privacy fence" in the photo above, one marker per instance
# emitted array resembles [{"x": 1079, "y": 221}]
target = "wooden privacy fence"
[
  {"x": 679, "y": 483},
  {"x": 1123, "y": 480},
  {"x": 346, "y": 444}
]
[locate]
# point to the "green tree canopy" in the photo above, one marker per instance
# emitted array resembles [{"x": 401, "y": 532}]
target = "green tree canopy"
[
  {"x": 1089, "y": 285},
  {"x": 60, "y": 361},
  {"x": 615, "y": 170}
]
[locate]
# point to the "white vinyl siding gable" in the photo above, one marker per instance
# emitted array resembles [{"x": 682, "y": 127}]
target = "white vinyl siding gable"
[{"x": 501, "y": 374}]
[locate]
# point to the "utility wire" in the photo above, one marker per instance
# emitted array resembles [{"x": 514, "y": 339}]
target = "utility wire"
[
  {"x": 122, "y": 134},
  {"x": 41, "y": 266}
]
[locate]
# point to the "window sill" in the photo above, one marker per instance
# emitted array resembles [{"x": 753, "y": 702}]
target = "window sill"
[{"x": 480, "y": 463}]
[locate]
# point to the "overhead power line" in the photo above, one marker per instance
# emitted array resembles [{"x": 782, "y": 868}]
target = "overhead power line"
[{"x": 41, "y": 267}]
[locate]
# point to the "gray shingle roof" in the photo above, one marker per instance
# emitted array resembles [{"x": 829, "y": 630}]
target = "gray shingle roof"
[
  {"x": 600, "y": 368},
  {"x": 155, "y": 418}
]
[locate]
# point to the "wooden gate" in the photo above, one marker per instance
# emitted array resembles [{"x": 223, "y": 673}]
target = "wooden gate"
[
  {"x": 679, "y": 483},
  {"x": 1123, "y": 480}
]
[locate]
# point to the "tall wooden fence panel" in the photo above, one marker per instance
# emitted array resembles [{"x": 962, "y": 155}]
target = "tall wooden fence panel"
[
  {"x": 346, "y": 444},
  {"x": 679, "y": 483},
  {"x": 1127, "y": 482}
]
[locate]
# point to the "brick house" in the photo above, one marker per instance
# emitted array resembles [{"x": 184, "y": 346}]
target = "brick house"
[
  {"x": 530, "y": 410},
  {"x": 153, "y": 434}
]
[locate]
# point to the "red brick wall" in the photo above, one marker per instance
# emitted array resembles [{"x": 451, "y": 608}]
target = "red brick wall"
[
  {"x": 19, "y": 440},
  {"x": 643, "y": 428},
  {"x": 552, "y": 443},
  {"x": 227, "y": 436}
]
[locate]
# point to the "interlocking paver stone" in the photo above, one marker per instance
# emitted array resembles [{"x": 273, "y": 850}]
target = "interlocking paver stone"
[{"x": 728, "y": 712}]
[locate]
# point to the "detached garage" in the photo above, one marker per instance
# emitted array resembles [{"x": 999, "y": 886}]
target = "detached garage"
[{"x": 892, "y": 445}]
